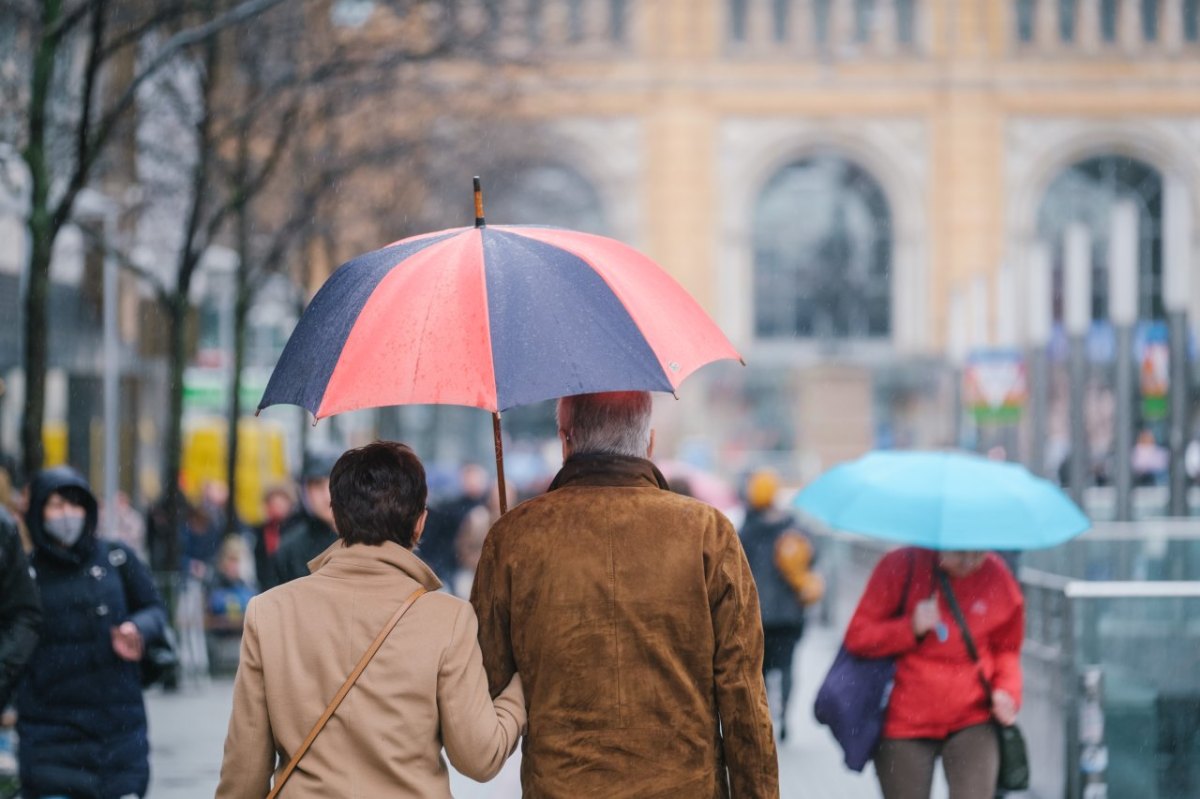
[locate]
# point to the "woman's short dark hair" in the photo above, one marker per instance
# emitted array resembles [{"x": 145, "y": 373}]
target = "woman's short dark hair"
[{"x": 377, "y": 493}]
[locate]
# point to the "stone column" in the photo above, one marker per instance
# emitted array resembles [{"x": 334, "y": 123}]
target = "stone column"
[
  {"x": 760, "y": 23},
  {"x": 802, "y": 29},
  {"x": 1170, "y": 30},
  {"x": 1087, "y": 25},
  {"x": 841, "y": 25},
  {"x": 1045, "y": 25},
  {"x": 886, "y": 28},
  {"x": 1129, "y": 25}
]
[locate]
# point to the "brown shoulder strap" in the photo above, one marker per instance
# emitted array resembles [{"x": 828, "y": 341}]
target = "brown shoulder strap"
[{"x": 341, "y": 694}]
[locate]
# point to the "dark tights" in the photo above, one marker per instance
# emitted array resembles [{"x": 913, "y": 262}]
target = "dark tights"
[{"x": 970, "y": 757}]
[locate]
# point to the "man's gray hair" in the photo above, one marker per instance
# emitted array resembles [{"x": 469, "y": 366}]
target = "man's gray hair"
[{"x": 610, "y": 423}]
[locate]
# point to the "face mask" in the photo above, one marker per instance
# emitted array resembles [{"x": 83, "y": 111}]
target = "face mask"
[{"x": 66, "y": 530}]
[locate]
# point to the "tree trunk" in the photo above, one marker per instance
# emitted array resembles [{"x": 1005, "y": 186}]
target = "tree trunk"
[
  {"x": 241, "y": 310},
  {"x": 42, "y": 231},
  {"x": 173, "y": 435}
]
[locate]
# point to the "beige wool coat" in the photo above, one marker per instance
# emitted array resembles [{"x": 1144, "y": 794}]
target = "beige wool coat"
[{"x": 425, "y": 689}]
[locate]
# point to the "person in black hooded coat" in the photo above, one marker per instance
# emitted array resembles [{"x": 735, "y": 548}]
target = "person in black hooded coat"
[{"x": 81, "y": 718}]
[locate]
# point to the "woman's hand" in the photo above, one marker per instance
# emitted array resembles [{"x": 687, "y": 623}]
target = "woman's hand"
[
  {"x": 926, "y": 616},
  {"x": 127, "y": 642},
  {"x": 1004, "y": 708}
]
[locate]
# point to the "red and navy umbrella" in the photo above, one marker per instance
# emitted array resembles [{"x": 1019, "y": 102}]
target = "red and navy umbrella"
[{"x": 492, "y": 317}]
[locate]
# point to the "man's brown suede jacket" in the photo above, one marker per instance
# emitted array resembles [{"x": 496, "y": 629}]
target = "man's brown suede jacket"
[{"x": 631, "y": 614}]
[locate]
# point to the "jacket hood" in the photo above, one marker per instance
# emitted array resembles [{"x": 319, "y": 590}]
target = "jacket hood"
[{"x": 43, "y": 485}]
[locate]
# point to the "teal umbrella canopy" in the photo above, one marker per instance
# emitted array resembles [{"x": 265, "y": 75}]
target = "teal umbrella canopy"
[{"x": 943, "y": 500}]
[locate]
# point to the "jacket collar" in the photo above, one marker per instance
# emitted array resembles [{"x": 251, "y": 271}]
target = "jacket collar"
[
  {"x": 357, "y": 560},
  {"x": 609, "y": 470}
]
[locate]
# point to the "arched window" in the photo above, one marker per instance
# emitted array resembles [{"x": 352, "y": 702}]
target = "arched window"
[
  {"x": 546, "y": 194},
  {"x": 1086, "y": 192},
  {"x": 822, "y": 253}
]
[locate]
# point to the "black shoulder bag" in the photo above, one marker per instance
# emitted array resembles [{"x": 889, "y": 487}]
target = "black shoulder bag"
[
  {"x": 160, "y": 658},
  {"x": 1014, "y": 760}
]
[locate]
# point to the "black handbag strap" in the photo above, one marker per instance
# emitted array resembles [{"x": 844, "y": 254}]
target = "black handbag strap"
[
  {"x": 961, "y": 621},
  {"x": 902, "y": 610}
]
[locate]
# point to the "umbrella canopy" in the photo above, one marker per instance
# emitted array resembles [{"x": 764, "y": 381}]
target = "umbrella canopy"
[
  {"x": 492, "y": 317},
  {"x": 943, "y": 500}
]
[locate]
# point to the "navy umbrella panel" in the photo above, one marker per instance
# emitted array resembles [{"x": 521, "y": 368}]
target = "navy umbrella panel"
[{"x": 492, "y": 317}]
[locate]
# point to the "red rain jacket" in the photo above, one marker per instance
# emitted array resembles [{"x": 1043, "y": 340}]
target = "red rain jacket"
[{"x": 937, "y": 691}]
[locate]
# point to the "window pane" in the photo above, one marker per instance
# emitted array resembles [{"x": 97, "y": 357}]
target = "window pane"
[
  {"x": 575, "y": 20},
  {"x": 1108, "y": 20},
  {"x": 821, "y": 21},
  {"x": 1066, "y": 20},
  {"x": 1150, "y": 20},
  {"x": 906, "y": 22},
  {"x": 737, "y": 20},
  {"x": 619, "y": 19},
  {"x": 822, "y": 253},
  {"x": 534, "y": 21},
  {"x": 780, "y": 19},
  {"x": 1086, "y": 192},
  {"x": 1025, "y": 20},
  {"x": 864, "y": 14}
]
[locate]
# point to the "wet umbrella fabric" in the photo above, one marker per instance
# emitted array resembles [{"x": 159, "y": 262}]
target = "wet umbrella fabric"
[
  {"x": 492, "y": 317},
  {"x": 944, "y": 501}
]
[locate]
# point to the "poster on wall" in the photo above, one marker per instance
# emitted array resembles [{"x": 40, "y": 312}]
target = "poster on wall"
[
  {"x": 1154, "y": 356},
  {"x": 995, "y": 389}
]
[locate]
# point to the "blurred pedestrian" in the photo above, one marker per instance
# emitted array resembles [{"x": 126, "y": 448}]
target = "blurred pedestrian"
[
  {"x": 229, "y": 592},
  {"x": 278, "y": 506},
  {"x": 12, "y": 497},
  {"x": 126, "y": 526},
  {"x": 939, "y": 707},
  {"x": 425, "y": 690},
  {"x": 81, "y": 718},
  {"x": 632, "y": 616},
  {"x": 311, "y": 530},
  {"x": 781, "y": 559},
  {"x": 20, "y": 619},
  {"x": 468, "y": 543},
  {"x": 1149, "y": 460},
  {"x": 438, "y": 545}
]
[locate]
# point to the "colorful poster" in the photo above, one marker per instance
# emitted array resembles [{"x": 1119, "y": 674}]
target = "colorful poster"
[
  {"x": 995, "y": 389},
  {"x": 1154, "y": 356}
]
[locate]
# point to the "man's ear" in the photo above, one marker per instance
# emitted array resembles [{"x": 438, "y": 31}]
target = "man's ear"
[
  {"x": 565, "y": 438},
  {"x": 650, "y": 449},
  {"x": 419, "y": 527}
]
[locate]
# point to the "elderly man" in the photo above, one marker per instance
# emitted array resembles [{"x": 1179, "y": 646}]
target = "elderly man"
[{"x": 632, "y": 616}]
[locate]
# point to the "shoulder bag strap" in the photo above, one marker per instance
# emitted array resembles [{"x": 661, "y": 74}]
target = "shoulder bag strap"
[
  {"x": 341, "y": 694},
  {"x": 966, "y": 633},
  {"x": 912, "y": 559}
]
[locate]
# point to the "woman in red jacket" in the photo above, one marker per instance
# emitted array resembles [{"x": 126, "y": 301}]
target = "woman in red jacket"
[{"x": 938, "y": 706}]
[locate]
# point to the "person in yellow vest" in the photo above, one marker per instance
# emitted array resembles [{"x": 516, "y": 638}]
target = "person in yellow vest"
[{"x": 781, "y": 558}]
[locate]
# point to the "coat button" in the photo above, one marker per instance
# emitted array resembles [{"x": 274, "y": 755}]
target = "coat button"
[
  {"x": 97, "y": 572},
  {"x": 102, "y": 610}
]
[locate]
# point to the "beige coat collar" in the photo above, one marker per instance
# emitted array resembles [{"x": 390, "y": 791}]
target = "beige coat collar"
[{"x": 360, "y": 560}]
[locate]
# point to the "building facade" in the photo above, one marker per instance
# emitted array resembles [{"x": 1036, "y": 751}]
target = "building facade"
[{"x": 830, "y": 177}]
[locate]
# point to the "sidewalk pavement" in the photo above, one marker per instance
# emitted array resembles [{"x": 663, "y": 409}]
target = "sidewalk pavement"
[{"x": 187, "y": 732}]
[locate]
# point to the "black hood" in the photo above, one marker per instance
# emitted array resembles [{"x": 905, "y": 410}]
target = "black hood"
[{"x": 44, "y": 484}]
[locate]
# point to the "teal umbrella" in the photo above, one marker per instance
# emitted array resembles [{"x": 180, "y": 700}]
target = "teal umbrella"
[{"x": 943, "y": 500}]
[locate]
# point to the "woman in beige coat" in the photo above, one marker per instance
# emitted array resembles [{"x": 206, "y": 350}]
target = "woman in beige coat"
[{"x": 425, "y": 689}]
